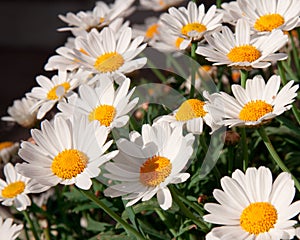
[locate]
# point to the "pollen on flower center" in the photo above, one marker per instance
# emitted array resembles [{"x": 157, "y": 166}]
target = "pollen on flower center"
[
  {"x": 268, "y": 22},
  {"x": 192, "y": 108},
  {"x": 254, "y": 110},
  {"x": 258, "y": 217},
  {"x": 13, "y": 189},
  {"x": 155, "y": 170},
  {"x": 151, "y": 31},
  {"x": 5, "y": 145},
  {"x": 54, "y": 94},
  {"x": 109, "y": 62},
  {"x": 104, "y": 114},
  {"x": 69, "y": 163},
  {"x": 178, "y": 42},
  {"x": 245, "y": 53},
  {"x": 198, "y": 27}
]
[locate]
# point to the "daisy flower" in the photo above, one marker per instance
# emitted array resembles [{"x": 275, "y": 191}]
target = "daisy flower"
[
  {"x": 107, "y": 54},
  {"x": 7, "y": 150},
  {"x": 159, "y": 5},
  {"x": 101, "y": 16},
  {"x": 66, "y": 152},
  {"x": 20, "y": 112},
  {"x": 241, "y": 50},
  {"x": 231, "y": 12},
  {"x": 148, "y": 163},
  {"x": 149, "y": 29},
  {"x": 104, "y": 104},
  {"x": 191, "y": 23},
  {"x": 14, "y": 190},
  {"x": 55, "y": 90},
  {"x": 8, "y": 230},
  {"x": 251, "y": 206},
  {"x": 267, "y": 15},
  {"x": 191, "y": 113},
  {"x": 258, "y": 102}
]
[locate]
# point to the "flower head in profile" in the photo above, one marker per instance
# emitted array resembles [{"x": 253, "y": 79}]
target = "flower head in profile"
[
  {"x": 66, "y": 152},
  {"x": 8, "y": 230},
  {"x": 190, "y": 23},
  {"x": 266, "y": 15},
  {"x": 148, "y": 163},
  {"x": 20, "y": 112},
  {"x": 257, "y": 103},
  {"x": 159, "y": 5},
  {"x": 7, "y": 150},
  {"x": 242, "y": 50},
  {"x": 107, "y": 54},
  {"x": 55, "y": 90},
  {"x": 103, "y": 104},
  {"x": 14, "y": 190},
  {"x": 251, "y": 206}
]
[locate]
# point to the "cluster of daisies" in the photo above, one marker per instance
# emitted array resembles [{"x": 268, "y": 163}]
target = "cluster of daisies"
[{"x": 92, "y": 94}]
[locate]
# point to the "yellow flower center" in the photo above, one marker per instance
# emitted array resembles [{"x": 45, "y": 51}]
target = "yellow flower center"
[
  {"x": 69, "y": 163},
  {"x": 104, "y": 114},
  {"x": 258, "y": 218},
  {"x": 58, "y": 91},
  {"x": 178, "y": 42},
  {"x": 109, "y": 62},
  {"x": 151, "y": 31},
  {"x": 192, "y": 108},
  {"x": 13, "y": 189},
  {"x": 245, "y": 53},
  {"x": 268, "y": 22},
  {"x": 4, "y": 145},
  {"x": 198, "y": 27},
  {"x": 155, "y": 170},
  {"x": 205, "y": 68},
  {"x": 161, "y": 3},
  {"x": 254, "y": 110}
]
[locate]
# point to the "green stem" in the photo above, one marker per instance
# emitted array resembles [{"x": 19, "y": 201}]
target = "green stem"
[
  {"x": 277, "y": 159},
  {"x": 244, "y": 75},
  {"x": 186, "y": 211},
  {"x": 219, "y": 2},
  {"x": 177, "y": 66},
  {"x": 289, "y": 70},
  {"x": 230, "y": 158},
  {"x": 90, "y": 195},
  {"x": 193, "y": 72},
  {"x": 154, "y": 69},
  {"x": 295, "y": 52},
  {"x": 166, "y": 221},
  {"x": 32, "y": 227}
]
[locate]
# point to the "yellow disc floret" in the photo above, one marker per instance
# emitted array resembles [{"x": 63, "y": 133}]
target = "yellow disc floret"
[
  {"x": 254, "y": 110},
  {"x": 192, "y": 108},
  {"x": 245, "y": 53},
  {"x": 109, "y": 62},
  {"x": 104, "y": 114},
  {"x": 53, "y": 95},
  {"x": 198, "y": 27},
  {"x": 155, "y": 170},
  {"x": 4, "y": 145},
  {"x": 69, "y": 163},
  {"x": 13, "y": 189},
  {"x": 258, "y": 217},
  {"x": 152, "y": 31},
  {"x": 269, "y": 22}
]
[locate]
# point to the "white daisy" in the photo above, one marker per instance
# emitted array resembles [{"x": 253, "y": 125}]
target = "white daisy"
[
  {"x": 267, "y": 15},
  {"x": 66, "y": 152},
  {"x": 241, "y": 50},
  {"x": 159, "y": 5},
  {"x": 20, "y": 112},
  {"x": 7, "y": 150},
  {"x": 257, "y": 103},
  {"x": 8, "y": 230},
  {"x": 191, "y": 23},
  {"x": 103, "y": 104},
  {"x": 251, "y": 206},
  {"x": 14, "y": 190},
  {"x": 148, "y": 163},
  {"x": 108, "y": 55},
  {"x": 191, "y": 113},
  {"x": 55, "y": 90},
  {"x": 231, "y": 12},
  {"x": 101, "y": 16}
]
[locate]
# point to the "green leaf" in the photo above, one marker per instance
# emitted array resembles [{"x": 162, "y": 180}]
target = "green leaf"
[{"x": 96, "y": 226}]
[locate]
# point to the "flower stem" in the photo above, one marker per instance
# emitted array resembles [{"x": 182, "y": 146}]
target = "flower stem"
[
  {"x": 295, "y": 52},
  {"x": 166, "y": 221},
  {"x": 244, "y": 75},
  {"x": 193, "y": 72},
  {"x": 32, "y": 227},
  {"x": 218, "y": 3},
  {"x": 288, "y": 70},
  {"x": 277, "y": 159},
  {"x": 90, "y": 195},
  {"x": 155, "y": 70}
]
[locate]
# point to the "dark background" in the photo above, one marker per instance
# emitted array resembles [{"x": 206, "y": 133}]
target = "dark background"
[{"x": 28, "y": 37}]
